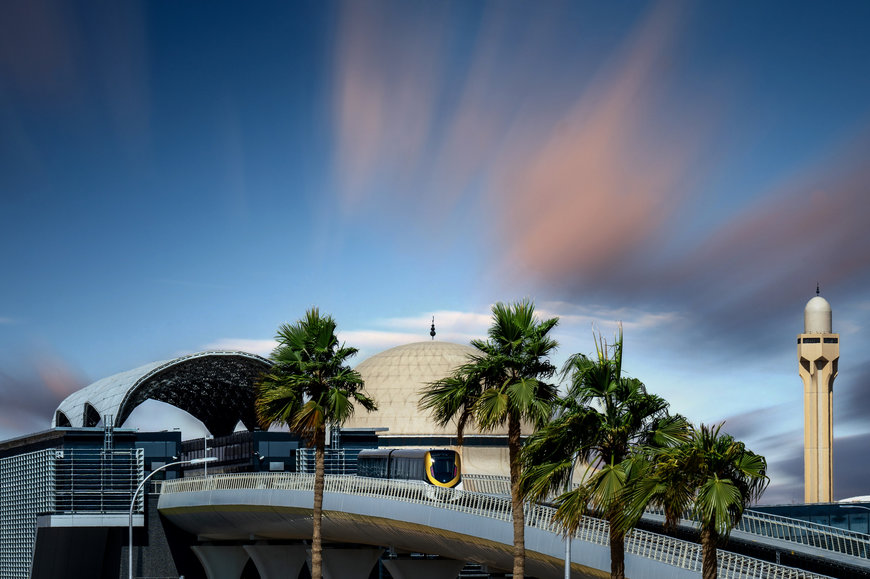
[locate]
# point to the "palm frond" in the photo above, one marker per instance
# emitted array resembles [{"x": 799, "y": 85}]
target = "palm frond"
[
  {"x": 309, "y": 383},
  {"x": 492, "y": 408}
]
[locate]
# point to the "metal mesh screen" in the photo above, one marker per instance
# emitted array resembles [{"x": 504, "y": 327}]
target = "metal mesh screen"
[
  {"x": 60, "y": 480},
  {"x": 26, "y": 490}
]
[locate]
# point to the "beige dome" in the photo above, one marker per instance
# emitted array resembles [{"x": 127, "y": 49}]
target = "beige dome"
[
  {"x": 395, "y": 377},
  {"x": 817, "y": 316}
]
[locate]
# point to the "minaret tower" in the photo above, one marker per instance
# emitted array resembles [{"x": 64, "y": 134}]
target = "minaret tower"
[{"x": 818, "y": 355}]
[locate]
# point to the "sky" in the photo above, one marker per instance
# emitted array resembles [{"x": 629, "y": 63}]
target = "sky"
[{"x": 177, "y": 177}]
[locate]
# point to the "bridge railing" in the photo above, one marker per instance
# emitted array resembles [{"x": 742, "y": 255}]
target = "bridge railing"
[
  {"x": 492, "y": 484},
  {"x": 807, "y": 533},
  {"x": 656, "y": 547},
  {"x": 755, "y": 522}
]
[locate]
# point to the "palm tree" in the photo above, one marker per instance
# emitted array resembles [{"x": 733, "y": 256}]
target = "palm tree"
[
  {"x": 502, "y": 384},
  {"x": 308, "y": 388},
  {"x": 712, "y": 475},
  {"x": 597, "y": 424}
]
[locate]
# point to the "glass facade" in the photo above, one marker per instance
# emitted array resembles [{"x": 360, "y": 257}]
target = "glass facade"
[{"x": 847, "y": 516}]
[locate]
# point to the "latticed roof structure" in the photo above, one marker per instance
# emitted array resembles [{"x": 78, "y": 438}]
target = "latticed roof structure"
[{"x": 215, "y": 387}]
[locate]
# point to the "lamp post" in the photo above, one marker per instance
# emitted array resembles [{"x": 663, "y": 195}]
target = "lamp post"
[
  {"x": 567, "y": 555},
  {"x": 136, "y": 494}
]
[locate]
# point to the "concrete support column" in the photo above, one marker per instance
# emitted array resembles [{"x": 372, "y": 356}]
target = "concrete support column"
[
  {"x": 221, "y": 562},
  {"x": 278, "y": 561},
  {"x": 423, "y": 568},
  {"x": 340, "y": 563}
]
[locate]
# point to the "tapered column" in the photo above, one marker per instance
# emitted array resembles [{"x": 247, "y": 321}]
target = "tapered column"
[
  {"x": 278, "y": 561},
  {"x": 423, "y": 568},
  {"x": 340, "y": 563},
  {"x": 221, "y": 561}
]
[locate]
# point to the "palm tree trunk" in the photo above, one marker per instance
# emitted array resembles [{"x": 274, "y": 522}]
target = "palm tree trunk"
[
  {"x": 516, "y": 498},
  {"x": 617, "y": 552},
  {"x": 709, "y": 561},
  {"x": 316, "y": 539}
]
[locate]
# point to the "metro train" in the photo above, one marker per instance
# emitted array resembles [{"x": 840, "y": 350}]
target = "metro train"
[{"x": 439, "y": 467}]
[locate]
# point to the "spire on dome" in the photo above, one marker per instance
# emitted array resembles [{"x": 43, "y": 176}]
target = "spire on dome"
[{"x": 432, "y": 328}]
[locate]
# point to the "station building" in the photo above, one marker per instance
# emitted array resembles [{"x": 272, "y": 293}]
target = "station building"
[{"x": 65, "y": 493}]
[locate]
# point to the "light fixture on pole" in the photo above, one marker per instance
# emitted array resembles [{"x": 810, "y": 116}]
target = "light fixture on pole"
[{"x": 136, "y": 494}]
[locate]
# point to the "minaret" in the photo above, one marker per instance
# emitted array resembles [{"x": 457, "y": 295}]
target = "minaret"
[{"x": 818, "y": 355}]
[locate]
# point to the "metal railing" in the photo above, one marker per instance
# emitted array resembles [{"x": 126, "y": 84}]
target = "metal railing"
[
  {"x": 663, "y": 549},
  {"x": 491, "y": 484},
  {"x": 96, "y": 480},
  {"x": 806, "y": 533},
  {"x": 755, "y": 522}
]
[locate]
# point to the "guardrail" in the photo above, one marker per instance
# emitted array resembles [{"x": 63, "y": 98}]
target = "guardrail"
[
  {"x": 757, "y": 523},
  {"x": 491, "y": 484},
  {"x": 668, "y": 550},
  {"x": 806, "y": 533}
]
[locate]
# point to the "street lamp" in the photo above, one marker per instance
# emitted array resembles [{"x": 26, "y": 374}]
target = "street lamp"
[{"x": 139, "y": 488}]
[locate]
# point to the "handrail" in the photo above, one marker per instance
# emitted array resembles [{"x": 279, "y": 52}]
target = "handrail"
[
  {"x": 661, "y": 548},
  {"x": 813, "y": 534},
  {"x": 769, "y": 525}
]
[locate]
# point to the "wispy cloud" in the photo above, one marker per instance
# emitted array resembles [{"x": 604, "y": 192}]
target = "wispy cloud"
[
  {"x": 384, "y": 333},
  {"x": 580, "y": 199},
  {"x": 45, "y": 51},
  {"x": 456, "y": 323},
  {"x": 31, "y": 394},
  {"x": 387, "y": 80},
  {"x": 606, "y": 318},
  {"x": 34, "y": 66},
  {"x": 593, "y": 189},
  {"x": 253, "y": 346}
]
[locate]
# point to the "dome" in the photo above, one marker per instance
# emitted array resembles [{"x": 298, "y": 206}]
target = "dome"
[
  {"x": 817, "y": 316},
  {"x": 395, "y": 377}
]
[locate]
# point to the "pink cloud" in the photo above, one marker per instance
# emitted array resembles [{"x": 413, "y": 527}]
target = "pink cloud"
[
  {"x": 580, "y": 198},
  {"x": 37, "y": 47},
  {"x": 576, "y": 184},
  {"x": 30, "y": 396},
  {"x": 386, "y": 82}
]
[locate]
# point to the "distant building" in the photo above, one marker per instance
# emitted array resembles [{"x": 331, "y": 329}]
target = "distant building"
[
  {"x": 818, "y": 356},
  {"x": 65, "y": 493}
]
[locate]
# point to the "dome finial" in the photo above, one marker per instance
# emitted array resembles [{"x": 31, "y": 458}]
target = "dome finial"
[
  {"x": 432, "y": 329},
  {"x": 817, "y": 288}
]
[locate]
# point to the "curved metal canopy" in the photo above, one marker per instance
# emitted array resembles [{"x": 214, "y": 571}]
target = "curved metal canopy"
[{"x": 215, "y": 387}]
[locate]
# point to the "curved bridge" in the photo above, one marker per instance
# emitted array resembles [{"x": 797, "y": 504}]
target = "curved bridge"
[{"x": 264, "y": 509}]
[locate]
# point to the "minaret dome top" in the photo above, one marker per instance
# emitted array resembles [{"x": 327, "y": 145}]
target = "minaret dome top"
[{"x": 817, "y": 316}]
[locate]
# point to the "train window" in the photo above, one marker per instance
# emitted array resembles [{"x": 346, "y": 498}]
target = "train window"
[{"x": 443, "y": 468}]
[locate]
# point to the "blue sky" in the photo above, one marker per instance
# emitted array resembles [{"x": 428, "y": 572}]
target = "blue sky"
[{"x": 183, "y": 176}]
